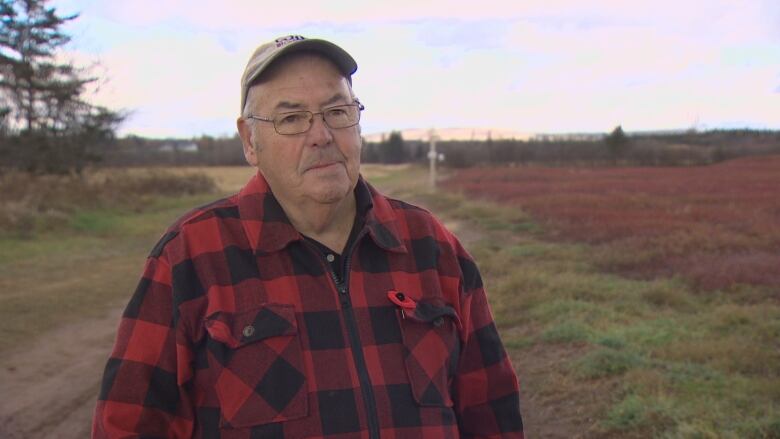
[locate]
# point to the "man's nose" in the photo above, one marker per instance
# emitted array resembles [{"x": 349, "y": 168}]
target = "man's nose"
[{"x": 319, "y": 133}]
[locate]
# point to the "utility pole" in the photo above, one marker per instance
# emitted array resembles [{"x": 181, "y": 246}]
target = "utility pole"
[{"x": 433, "y": 157}]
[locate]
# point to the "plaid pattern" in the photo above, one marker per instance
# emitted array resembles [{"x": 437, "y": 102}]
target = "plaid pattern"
[{"x": 237, "y": 330}]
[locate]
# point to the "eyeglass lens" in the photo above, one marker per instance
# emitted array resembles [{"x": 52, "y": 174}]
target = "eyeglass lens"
[{"x": 296, "y": 122}]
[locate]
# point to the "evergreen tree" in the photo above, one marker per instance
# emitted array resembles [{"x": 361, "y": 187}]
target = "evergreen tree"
[
  {"x": 617, "y": 143},
  {"x": 393, "y": 148},
  {"x": 47, "y": 124},
  {"x": 369, "y": 153}
]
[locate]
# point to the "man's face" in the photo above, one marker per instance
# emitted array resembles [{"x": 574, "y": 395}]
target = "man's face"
[{"x": 320, "y": 165}]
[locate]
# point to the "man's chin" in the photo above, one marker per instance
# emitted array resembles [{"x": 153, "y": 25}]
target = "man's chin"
[{"x": 329, "y": 192}]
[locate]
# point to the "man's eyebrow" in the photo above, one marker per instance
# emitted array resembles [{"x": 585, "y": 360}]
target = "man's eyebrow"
[{"x": 287, "y": 105}]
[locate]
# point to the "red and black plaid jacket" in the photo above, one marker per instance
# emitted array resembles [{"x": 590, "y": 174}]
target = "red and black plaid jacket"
[{"x": 240, "y": 328}]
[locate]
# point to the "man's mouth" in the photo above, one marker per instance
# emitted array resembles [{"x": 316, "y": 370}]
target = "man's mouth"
[{"x": 322, "y": 165}]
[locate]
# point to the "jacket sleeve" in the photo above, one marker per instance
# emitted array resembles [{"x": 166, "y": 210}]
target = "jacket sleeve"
[
  {"x": 486, "y": 389},
  {"x": 143, "y": 392}
]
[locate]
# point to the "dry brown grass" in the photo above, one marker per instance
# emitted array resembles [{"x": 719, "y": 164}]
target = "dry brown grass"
[
  {"x": 229, "y": 179},
  {"x": 728, "y": 354},
  {"x": 34, "y": 203}
]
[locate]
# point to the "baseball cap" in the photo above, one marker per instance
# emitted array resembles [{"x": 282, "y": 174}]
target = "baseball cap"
[{"x": 267, "y": 53}]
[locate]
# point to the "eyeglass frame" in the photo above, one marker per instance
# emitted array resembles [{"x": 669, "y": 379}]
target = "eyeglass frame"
[{"x": 356, "y": 102}]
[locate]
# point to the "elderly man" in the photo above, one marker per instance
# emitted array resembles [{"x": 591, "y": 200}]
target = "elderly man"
[{"x": 308, "y": 304}]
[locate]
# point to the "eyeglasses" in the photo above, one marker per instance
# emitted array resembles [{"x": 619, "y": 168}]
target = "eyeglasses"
[{"x": 298, "y": 122}]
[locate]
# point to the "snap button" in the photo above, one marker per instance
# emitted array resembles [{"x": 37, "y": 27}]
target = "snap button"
[
  {"x": 330, "y": 257},
  {"x": 248, "y": 331}
]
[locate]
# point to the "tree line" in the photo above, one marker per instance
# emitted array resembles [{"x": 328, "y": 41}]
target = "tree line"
[{"x": 615, "y": 148}]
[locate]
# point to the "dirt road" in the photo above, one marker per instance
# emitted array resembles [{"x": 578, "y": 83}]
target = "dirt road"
[{"x": 49, "y": 390}]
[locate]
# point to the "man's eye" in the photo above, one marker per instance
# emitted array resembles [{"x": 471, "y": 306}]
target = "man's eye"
[
  {"x": 290, "y": 119},
  {"x": 337, "y": 112}
]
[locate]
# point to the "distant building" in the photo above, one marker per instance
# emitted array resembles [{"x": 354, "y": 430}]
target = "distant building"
[{"x": 179, "y": 146}]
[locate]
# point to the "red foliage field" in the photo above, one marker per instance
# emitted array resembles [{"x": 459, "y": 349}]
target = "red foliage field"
[{"x": 716, "y": 226}]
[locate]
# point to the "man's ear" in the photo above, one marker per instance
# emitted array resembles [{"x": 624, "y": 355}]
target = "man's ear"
[{"x": 245, "y": 132}]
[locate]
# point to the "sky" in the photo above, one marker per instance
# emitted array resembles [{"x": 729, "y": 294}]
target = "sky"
[{"x": 535, "y": 66}]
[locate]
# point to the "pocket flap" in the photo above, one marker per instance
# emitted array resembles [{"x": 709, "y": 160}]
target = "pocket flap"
[
  {"x": 241, "y": 328},
  {"x": 434, "y": 313}
]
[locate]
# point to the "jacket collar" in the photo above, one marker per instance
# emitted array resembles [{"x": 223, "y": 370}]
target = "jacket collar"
[{"x": 269, "y": 230}]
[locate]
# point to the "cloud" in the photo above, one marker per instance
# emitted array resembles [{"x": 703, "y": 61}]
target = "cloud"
[
  {"x": 530, "y": 66},
  {"x": 691, "y": 15},
  {"x": 170, "y": 82}
]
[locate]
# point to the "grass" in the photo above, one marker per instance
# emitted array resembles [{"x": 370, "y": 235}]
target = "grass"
[
  {"x": 34, "y": 205},
  {"x": 678, "y": 363},
  {"x": 78, "y": 272},
  {"x": 81, "y": 242},
  {"x": 635, "y": 357}
]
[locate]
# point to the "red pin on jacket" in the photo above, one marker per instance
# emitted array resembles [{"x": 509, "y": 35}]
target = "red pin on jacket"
[{"x": 402, "y": 300}]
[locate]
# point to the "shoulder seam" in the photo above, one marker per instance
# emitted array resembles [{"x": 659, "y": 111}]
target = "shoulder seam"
[
  {"x": 396, "y": 201},
  {"x": 165, "y": 239},
  {"x": 192, "y": 215}
]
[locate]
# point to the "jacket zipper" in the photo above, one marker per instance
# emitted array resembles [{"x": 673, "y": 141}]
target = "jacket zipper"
[{"x": 366, "y": 389}]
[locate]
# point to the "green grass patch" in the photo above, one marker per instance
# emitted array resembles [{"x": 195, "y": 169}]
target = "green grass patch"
[
  {"x": 569, "y": 310},
  {"x": 645, "y": 413},
  {"x": 95, "y": 221},
  {"x": 648, "y": 333},
  {"x": 566, "y": 332},
  {"x": 605, "y": 362}
]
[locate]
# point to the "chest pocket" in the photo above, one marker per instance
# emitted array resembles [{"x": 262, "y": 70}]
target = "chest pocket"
[
  {"x": 431, "y": 351},
  {"x": 258, "y": 365}
]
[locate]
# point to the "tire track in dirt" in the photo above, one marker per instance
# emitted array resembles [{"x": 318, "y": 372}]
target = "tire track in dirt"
[{"x": 50, "y": 387}]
